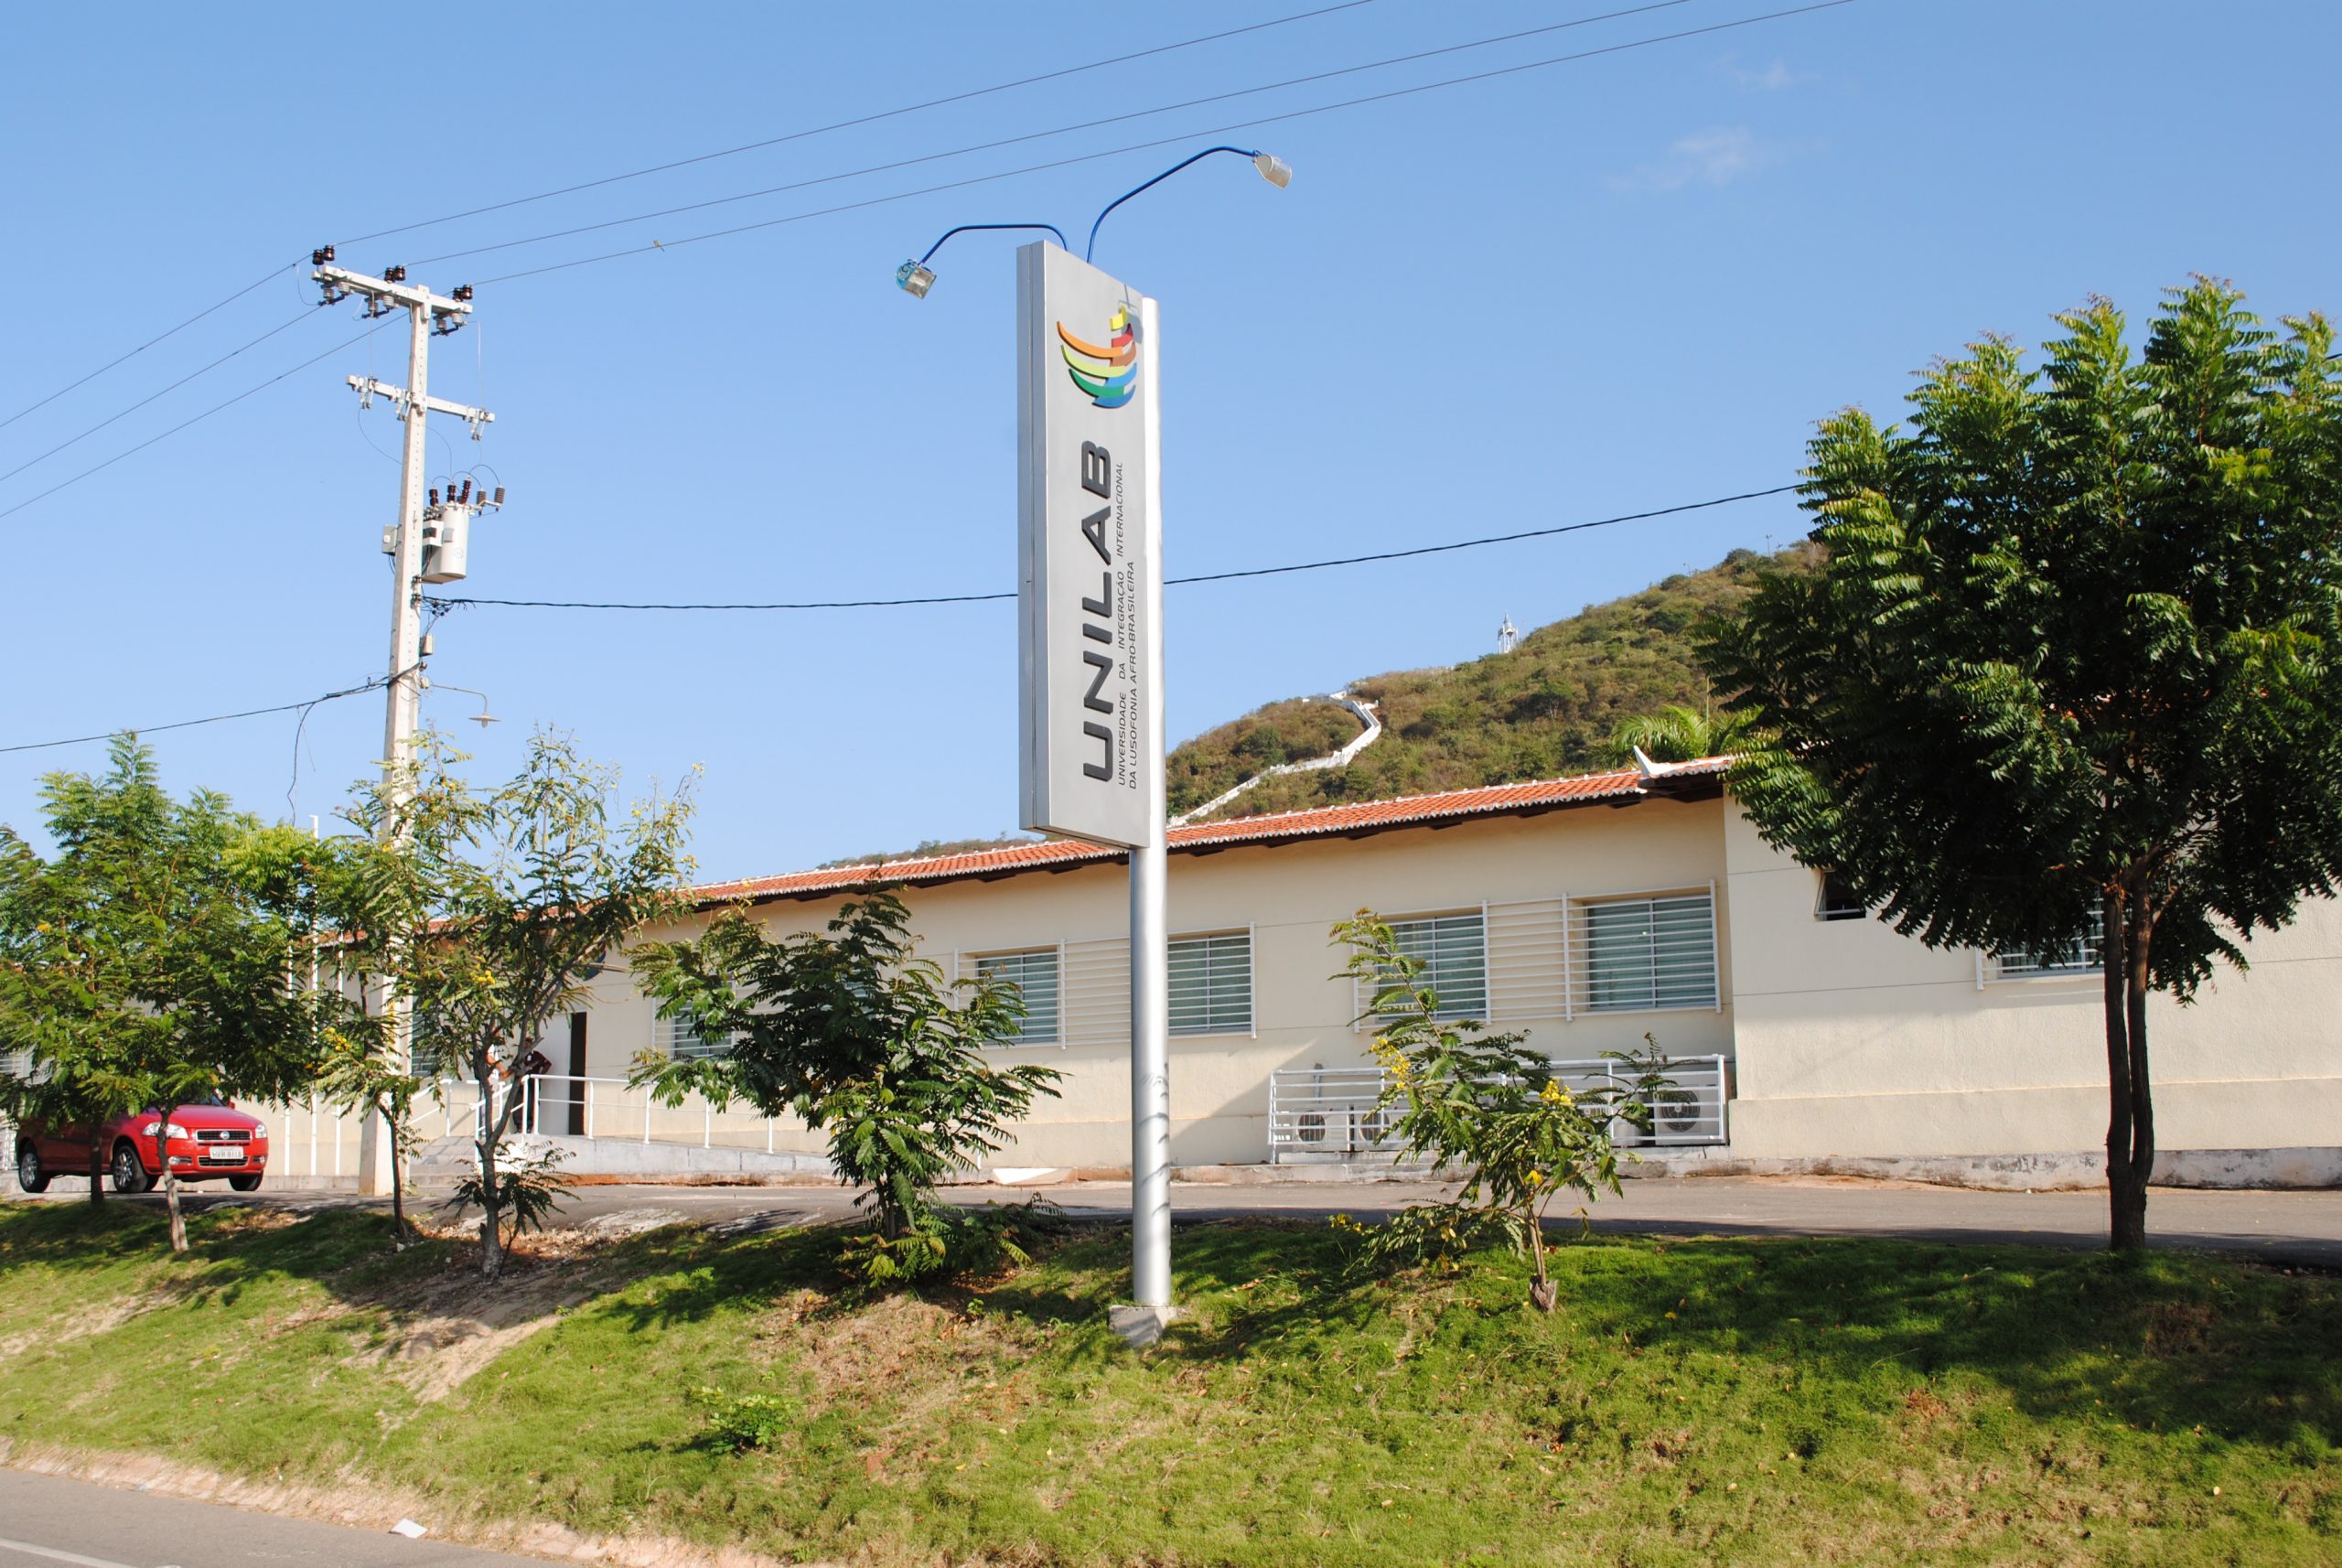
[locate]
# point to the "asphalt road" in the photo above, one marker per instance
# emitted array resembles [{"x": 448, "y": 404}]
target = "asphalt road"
[
  {"x": 2292, "y": 1228},
  {"x": 45, "y": 1520}
]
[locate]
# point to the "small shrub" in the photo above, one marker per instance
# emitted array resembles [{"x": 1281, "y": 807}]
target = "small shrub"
[
  {"x": 1485, "y": 1109},
  {"x": 741, "y": 1422},
  {"x": 954, "y": 1243},
  {"x": 528, "y": 1189}
]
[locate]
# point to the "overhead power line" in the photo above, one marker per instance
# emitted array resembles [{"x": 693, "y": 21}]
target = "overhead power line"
[
  {"x": 110, "y": 364},
  {"x": 379, "y": 683},
  {"x": 375, "y": 684},
  {"x": 142, "y": 402},
  {"x": 686, "y": 162},
  {"x": 1170, "y": 582},
  {"x": 870, "y": 119},
  {"x": 1197, "y": 134},
  {"x": 1395, "y": 94},
  {"x": 196, "y": 419},
  {"x": 1056, "y": 131}
]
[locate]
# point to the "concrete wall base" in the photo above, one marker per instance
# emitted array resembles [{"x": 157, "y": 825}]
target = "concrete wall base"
[
  {"x": 2314, "y": 1167},
  {"x": 626, "y": 1156}
]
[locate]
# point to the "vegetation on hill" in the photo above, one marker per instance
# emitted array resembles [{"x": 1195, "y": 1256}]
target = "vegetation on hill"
[
  {"x": 1549, "y": 707},
  {"x": 1753, "y": 1402},
  {"x": 1558, "y": 704},
  {"x": 926, "y": 849}
]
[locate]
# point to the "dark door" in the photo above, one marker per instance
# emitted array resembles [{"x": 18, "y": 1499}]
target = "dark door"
[{"x": 577, "y": 1075}]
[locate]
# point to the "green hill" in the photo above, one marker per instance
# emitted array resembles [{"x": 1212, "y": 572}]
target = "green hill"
[{"x": 1545, "y": 709}]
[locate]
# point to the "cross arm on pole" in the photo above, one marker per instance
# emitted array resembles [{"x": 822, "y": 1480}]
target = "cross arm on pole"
[
  {"x": 447, "y": 312},
  {"x": 369, "y": 387}
]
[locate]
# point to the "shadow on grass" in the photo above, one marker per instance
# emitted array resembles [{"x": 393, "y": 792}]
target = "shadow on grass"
[
  {"x": 2165, "y": 1341},
  {"x": 347, "y": 1251}
]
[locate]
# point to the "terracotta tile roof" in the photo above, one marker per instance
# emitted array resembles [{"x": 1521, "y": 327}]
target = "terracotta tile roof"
[{"x": 1326, "y": 822}]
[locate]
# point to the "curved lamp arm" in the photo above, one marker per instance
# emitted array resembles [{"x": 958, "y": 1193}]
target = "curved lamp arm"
[
  {"x": 914, "y": 278},
  {"x": 1274, "y": 169}
]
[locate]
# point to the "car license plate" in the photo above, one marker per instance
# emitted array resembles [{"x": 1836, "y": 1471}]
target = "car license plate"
[{"x": 223, "y": 1156}]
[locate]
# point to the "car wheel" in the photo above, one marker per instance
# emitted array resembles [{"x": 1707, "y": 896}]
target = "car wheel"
[
  {"x": 129, "y": 1174},
  {"x": 245, "y": 1183},
  {"x": 29, "y": 1175}
]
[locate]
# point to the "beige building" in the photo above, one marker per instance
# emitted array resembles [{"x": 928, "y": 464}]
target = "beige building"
[{"x": 1591, "y": 912}]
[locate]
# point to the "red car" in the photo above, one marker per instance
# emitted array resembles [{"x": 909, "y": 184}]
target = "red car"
[{"x": 208, "y": 1140}]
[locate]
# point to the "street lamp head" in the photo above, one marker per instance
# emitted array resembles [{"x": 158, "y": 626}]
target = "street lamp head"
[
  {"x": 1274, "y": 169},
  {"x": 914, "y": 279}
]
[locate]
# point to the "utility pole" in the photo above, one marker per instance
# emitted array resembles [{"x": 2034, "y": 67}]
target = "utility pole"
[{"x": 409, "y": 542}]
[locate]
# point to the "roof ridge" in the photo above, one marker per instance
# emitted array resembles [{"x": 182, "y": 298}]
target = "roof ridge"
[
  {"x": 1396, "y": 811},
  {"x": 1412, "y": 799}
]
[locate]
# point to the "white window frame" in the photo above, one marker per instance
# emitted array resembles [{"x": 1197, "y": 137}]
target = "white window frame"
[
  {"x": 1448, "y": 1012},
  {"x": 1578, "y": 929},
  {"x": 1826, "y": 913},
  {"x": 980, "y": 962},
  {"x": 1252, "y": 1024},
  {"x": 1996, "y": 969},
  {"x": 670, "y": 1033}
]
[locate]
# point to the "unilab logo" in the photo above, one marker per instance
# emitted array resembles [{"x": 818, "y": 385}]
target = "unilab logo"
[{"x": 1109, "y": 375}]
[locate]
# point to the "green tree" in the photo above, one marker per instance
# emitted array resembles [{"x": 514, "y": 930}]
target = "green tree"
[
  {"x": 1483, "y": 1109},
  {"x": 487, "y": 912},
  {"x": 143, "y": 965},
  {"x": 2073, "y": 657},
  {"x": 850, "y": 1032}
]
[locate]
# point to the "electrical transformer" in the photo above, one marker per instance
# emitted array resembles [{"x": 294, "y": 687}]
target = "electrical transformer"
[{"x": 446, "y": 542}]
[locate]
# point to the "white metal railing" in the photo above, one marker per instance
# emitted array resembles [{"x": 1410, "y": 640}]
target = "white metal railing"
[
  {"x": 566, "y": 1104},
  {"x": 1325, "y": 1111},
  {"x": 1335, "y": 1111},
  {"x": 1694, "y": 1107}
]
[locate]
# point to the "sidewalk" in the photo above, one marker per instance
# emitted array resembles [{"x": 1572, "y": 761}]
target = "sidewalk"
[{"x": 2301, "y": 1229}]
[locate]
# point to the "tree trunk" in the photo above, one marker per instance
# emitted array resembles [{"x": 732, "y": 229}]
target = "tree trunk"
[
  {"x": 2131, "y": 1220},
  {"x": 2126, "y": 1186},
  {"x": 492, "y": 1237},
  {"x": 97, "y": 1164},
  {"x": 1542, "y": 1294},
  {"x": 396, "y": 1130},
  {"x": 170, "y": 1179}
]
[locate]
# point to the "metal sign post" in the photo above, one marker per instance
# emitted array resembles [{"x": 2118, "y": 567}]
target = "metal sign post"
[{"x": 1090, "y": 605}]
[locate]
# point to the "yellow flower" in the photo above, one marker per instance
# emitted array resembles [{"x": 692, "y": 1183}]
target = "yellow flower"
[{"x": 1536, "y": 1178}]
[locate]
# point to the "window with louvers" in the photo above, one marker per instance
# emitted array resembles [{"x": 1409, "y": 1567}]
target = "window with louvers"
[
  {"x": 2084, "y": 954},
  {"x": 1645, "y": 954},
  {"x": 683, "y": 1038},
  {"x": 1455, "y": 953},
  {"x": 1035, "y": 974},
  {"x": 1211, "y": 984}
]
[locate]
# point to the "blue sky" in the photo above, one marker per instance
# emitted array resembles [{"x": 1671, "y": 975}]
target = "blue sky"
[{"x": 1620, "y": 282}]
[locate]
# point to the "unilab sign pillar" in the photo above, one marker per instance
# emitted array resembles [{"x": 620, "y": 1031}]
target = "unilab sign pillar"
[{"x": 1089, "y": 609}]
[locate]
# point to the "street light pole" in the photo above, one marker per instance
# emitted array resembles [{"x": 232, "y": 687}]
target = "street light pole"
[
  {"x": 1081, "y": 782},
  {"x": 1150, "y": 897}
]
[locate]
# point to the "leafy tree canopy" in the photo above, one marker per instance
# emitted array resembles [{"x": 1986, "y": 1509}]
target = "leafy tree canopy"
[
  {"x": 147, "y": 961},
  {"x": 2076, "y": 651},
  {"x": 489, "y": 911},
  {"x": 848, "y": 1030}
]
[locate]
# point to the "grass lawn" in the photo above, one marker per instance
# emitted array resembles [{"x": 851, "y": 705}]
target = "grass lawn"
[{"x": 1742, "y": 1401}]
